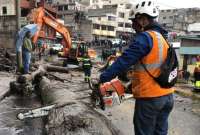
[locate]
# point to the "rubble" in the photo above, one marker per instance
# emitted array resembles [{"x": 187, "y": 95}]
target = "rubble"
[{"x": 7, "y": 60}]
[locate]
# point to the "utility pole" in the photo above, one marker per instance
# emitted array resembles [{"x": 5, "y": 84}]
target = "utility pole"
[
  {"x": 18, "y": 14},
  {"x": 18, "y": 53}
]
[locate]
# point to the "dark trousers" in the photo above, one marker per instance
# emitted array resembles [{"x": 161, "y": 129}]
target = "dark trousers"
[
  {"x": 26, "y": 61},
  {"x": 197, "y": 76},
  {"x": 151, "y": 115},
  {"x": 87, "y": 73}
]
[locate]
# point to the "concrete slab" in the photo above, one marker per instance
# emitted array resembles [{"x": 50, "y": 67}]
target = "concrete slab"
[{"x": 5, "y": 79}]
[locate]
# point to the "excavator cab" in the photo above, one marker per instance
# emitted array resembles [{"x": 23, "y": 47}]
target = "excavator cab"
[
  {"x": 76, "y": 52},
  {"x": 79, "y": 48}
]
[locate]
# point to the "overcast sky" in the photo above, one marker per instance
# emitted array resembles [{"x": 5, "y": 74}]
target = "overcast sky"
[{"x": 169, "y": 4}]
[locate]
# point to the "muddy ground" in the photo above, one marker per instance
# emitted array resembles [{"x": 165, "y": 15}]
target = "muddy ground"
[
  {"x": 11, "y": 105},
  {"x": 184, "y": 120},
  {"x": 74, "y": 89}
]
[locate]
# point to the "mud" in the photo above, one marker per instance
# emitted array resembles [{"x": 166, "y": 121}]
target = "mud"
[
  {"x": 10, "y": 125},
  {"x": 7, "y": 60},
  {"x": 11, "y": 105}
]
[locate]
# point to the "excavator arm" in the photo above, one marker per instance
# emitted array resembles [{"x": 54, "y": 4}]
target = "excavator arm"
[
  {"x": 59, "y": 28},
  {"x": 42, "y": 17},
  {"x": 37, "y": 17}
]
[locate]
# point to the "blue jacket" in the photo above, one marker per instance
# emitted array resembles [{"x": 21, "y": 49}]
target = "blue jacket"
[{"x": 139, "y": 48}]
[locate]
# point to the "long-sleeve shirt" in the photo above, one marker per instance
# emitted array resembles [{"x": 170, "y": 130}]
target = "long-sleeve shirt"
[
  {"x": 27, "y": 44},
  {"x": 140, "y": 47}
]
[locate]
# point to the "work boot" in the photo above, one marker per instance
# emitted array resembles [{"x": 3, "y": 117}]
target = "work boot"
[{"x": 86, "y": 80}]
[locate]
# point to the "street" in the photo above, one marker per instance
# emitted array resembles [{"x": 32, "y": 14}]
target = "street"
[
  {"x": 57, "y": 75},
  {"x": 184, "y": 120}
]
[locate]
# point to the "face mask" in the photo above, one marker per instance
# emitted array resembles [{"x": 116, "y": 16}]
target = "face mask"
[{"x": 136, "y": 26}]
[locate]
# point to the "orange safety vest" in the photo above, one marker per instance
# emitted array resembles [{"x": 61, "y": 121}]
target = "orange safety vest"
[{"x": 143, "y": 85}]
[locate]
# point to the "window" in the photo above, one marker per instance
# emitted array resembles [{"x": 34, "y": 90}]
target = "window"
[
  {"x": 48, "y": 1},
  {"x": 110, "y": 28},
  {"x": 171, "y": 17},
  {"x": 66, "y": 7},
  {"x": 121, "y": 15},
  {"x": 128, "y": 25},
  {"x": 60, "y": 8},
  {"x": 120, "y": 24},
  {"x": 103, "y": 27},
  {"x": 111, "y": 18},
  {"x": 128, "y": 6},
  {"x": 96, "y": 26},
  {"x": 164, "y": 18},
  {"x": 4, "y": 9},
  {"x": 168, "y": 10},
  {"x": 71, "y": 7}
]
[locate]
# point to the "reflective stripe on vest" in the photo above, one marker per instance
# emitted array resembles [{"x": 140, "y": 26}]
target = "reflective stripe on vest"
[
  {"x": 143, "y": 85},
  {"x": 86, "y": 62},
  {"x": 197, "y": 64},
  {"x": 86, "y": 59},
  {"x": 139, "y": 67}
]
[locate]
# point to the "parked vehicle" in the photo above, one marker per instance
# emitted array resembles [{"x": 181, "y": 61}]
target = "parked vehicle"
[
  {"x": 118, "y": 42},
  {"x": 55, "y": 48}
]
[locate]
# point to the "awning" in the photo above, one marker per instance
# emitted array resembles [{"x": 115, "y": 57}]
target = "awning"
[{"x": 190, "y": 50}]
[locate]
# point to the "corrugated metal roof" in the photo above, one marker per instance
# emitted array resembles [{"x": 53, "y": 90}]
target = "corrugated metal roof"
[
  {"x": 194, "y": 27},
  {"x": 190, "y": 50}
]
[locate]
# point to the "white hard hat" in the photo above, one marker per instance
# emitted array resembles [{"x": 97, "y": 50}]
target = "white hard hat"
[{"x": 145, "y": 7}]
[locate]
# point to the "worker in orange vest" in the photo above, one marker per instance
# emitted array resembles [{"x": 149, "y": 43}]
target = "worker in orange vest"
[{"x": 153, "y": 103}]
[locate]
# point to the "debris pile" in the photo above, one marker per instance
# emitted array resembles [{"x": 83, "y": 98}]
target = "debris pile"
[{"x": 7, "y": 60}]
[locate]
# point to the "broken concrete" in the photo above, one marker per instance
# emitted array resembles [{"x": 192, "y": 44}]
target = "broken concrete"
[
  {"x": 4, "y": 86},
  {"x": 7, "y": 60}
]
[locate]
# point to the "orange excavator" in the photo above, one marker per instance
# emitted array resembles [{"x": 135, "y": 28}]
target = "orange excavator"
[{"x": 42, "y": 17}]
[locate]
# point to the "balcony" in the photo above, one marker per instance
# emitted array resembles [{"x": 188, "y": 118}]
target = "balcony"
[
  {"x": 105, "y": 22},
  {"x": 104, "y": 33}
]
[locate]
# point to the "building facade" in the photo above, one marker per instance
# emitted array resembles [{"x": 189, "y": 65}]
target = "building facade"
[
  {"x": 103, "y": 25},
  {"x": 8, "y": 23},
  {"x": 190, "y": 48},
  {"x": 7, "y": 7},
  {"x": 108, "y": 18},
  {"x": 179, "y": 19},
  {"x": 111, "y": 21},
  {"x": 74, "y": 15}
]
